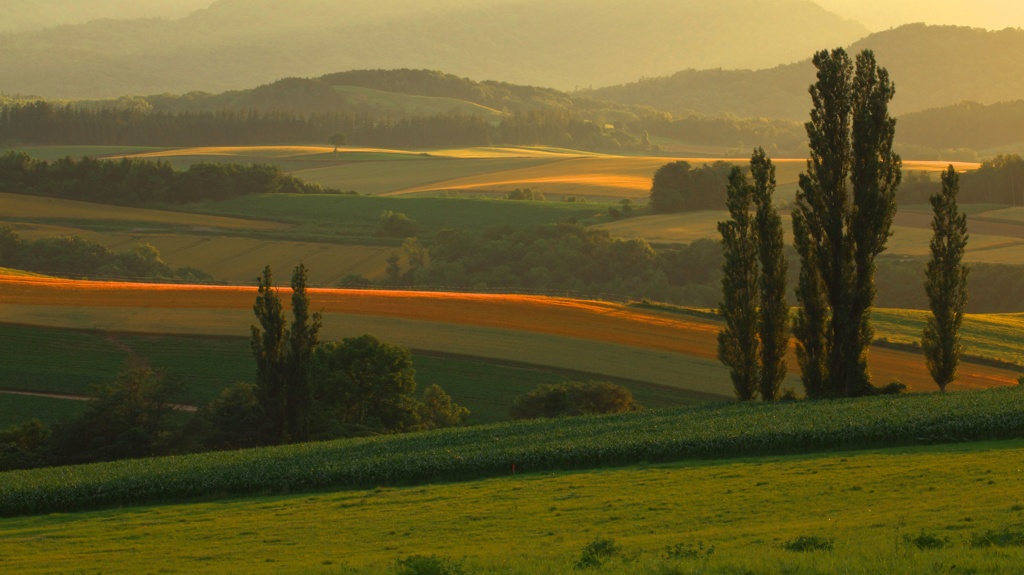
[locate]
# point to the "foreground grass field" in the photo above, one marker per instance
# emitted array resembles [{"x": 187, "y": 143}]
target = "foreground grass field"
[{"x": 907, "y": 510}]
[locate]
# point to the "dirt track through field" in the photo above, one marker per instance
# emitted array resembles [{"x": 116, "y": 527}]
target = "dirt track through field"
[{"x": 607, "y": 323}]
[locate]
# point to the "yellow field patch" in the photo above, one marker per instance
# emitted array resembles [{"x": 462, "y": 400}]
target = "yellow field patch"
[
  {"x": 590, "y": 336},
  {"x": 25, "y": 206}
]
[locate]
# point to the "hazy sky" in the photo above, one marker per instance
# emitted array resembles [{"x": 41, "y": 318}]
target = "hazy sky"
[
  {"x": 885, "y": 14},
  {"x": 874, "y": 14}
]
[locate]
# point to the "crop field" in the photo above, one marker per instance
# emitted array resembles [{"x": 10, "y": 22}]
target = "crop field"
[
  {"x": 20, "y": 207},
  {"x": 353, "y": 218},
  {"x": 16, "y": 409},
  {"x": 236, "y": 259},
  {"x": 994, "y": 336},
  {"x": 70, "y": 362},
  {"x": 594, "y": 337},
  {"x": 991, "y": 240},
  {"x": 719, "y": 517}
]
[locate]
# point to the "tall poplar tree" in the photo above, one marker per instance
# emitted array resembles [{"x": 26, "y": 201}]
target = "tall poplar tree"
[
  {"x": 773, "y": 316},
  {"x": 303, "y": 338},
  {"x": 737, "y": 342},
  {"x": 946, "y": 283},
  {"x": 283, "y": 357},
  {"x": 843, "y": 220},
  {"x": 270, "y": 349}
]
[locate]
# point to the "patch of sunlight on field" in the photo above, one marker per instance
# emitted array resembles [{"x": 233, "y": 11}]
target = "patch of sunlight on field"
[
  {"x": 587, "y": 336},
  {"x": 495, "y": 152},
  {"x": 384, "y": 177},
  {"x": 870, "y": 504},
  {"x": 37, "y": 207},
  {"x": 601, "y": 176}
]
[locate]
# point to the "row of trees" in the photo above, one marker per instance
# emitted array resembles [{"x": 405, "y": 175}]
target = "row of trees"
[
  {"x": 73, "y": 256},
  {"x": 841, "y": 222},
  {"x": 43, "y": 123},
  {"x": 678, "y": 187},
  {"x": 133, "y": 181}
]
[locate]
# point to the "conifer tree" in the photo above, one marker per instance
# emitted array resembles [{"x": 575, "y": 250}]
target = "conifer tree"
[
  {"x": 737, "y": 342},
  {"x": 946, "y": 283},
  {"x": 838, "y": 231},
  {"x": 773, "y": 317}
]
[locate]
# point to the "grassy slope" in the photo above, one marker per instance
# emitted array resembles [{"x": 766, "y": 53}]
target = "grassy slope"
[
  {"x": 746, "y": 509},
  {"x": 865, "y": 501}
]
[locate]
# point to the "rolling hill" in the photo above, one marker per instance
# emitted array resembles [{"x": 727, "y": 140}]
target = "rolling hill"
[
  {"x": 932, "y": 66},
  {"x": 574, "y": 43}
]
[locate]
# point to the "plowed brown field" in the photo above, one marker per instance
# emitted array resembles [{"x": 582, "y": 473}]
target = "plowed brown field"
[{"x": 602, "y": 323}]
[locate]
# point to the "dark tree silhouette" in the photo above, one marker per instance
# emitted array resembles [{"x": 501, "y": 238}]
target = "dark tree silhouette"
[
  {"x": 842, "y": 220},
  {"x": 946, "y": 283}
]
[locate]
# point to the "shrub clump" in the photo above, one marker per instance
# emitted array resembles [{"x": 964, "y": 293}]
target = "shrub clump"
[
  {"x": 574, "y": 398},
  {"x": 596, "y": 552},
  {"x": 806, "y": 543},
  {"x": 429, "y": 565}
]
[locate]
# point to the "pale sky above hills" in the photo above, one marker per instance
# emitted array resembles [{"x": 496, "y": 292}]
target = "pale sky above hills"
[
  {"x": 874, "y": 14},
  {"x": 879, "y": 15}
]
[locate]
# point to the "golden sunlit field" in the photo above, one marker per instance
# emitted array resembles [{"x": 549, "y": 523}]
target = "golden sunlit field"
[
  {"x": 588, "y": 336},
  {"x": 554, "y": 172}
]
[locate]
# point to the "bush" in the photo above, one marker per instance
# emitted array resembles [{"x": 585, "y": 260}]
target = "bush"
[
  {"x": 574, "y": 398},
  {"x": 428, "y": 565},
  {"x": 525, "y": 194},
  {"x": 806, "y": 543},
  {"x": 1010, "y": 536},
  {"x": 396, "y": 225},
  {"x": 926, "y": 540},
  {"x": 596, "y": 552}
]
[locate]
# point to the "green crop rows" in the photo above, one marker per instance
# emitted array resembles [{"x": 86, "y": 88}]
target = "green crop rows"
[{"x": 572, "y": 443}]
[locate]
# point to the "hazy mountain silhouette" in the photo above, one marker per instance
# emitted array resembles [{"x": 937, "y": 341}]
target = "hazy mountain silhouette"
[
  {"x": 567, "y": 44},
  {"x": 932, "y": 66}
]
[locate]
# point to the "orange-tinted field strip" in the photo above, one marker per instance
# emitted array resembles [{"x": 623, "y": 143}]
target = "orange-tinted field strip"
[{"x": 585, "y": 320}]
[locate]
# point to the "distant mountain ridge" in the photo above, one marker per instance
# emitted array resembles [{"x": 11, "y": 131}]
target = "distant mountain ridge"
[
  {"x": 932, "y": 66},
  {"x": 567, "y": 44}
]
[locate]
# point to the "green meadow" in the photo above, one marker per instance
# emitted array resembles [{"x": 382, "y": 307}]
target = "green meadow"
[{"x": 916, "y": 510}]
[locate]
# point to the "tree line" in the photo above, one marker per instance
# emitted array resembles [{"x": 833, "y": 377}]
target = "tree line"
[
  {"x": 45, "y": 123},
  {"x": 73, "y": 256},
  {"x": 131, "y": 181}
]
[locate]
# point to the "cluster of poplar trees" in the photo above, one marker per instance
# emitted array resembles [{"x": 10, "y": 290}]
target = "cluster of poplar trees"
[{"x": 842, "y": 221}]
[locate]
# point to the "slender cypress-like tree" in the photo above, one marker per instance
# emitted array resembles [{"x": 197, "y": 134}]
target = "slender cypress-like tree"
[
  {"x": 946, "y": 283},
  {"x": 773, "y": 319},
  {"x": 283, "y": 357},
  {"x": 302, "y": 340},
  {"x": 737, "y": 342},
  {"x": 839, "y": 232},
  {"x": 270, "y": 349}
]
